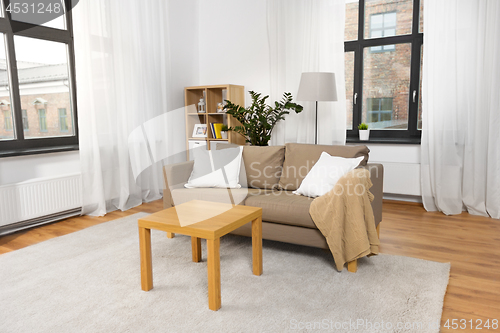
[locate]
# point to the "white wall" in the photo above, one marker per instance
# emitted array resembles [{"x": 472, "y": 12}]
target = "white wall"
[
  {"x": 184, "y": 49},
  {"x": 234, "y": 49},
  {"x": 401, "y": 169},
  {"x": 234, "y": 46},
  {"x": 21, "y": 168}
]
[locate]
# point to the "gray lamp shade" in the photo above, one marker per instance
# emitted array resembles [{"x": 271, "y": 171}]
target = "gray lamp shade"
[{"x": 317, "y": 86}]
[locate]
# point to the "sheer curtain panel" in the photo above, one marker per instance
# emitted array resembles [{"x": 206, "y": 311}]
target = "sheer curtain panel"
[
  {"x": 461, "y": 107},
  {"x": 122, "y": 66},
  {"x": 307, "y": 36}
]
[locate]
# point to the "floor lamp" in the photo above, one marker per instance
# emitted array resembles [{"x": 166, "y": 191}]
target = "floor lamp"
[{"x": 317, "y": 86}]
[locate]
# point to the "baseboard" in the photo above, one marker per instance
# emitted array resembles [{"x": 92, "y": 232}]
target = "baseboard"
[
  {"x": 14, "y": 227},
  {"x": 402, "y": 197}
]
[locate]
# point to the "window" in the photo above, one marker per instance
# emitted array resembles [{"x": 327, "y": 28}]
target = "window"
[
  {"x": 7, "y": 120},
  {"x": 387, "y": 76},
  {"x": 42, "y": 119},
  {"x": 26, "y": 125},
  {"x": 379, "y": 111},
  {"x": 383, "y": 25},
  {"x": 63, "y": 121},
  {"x": 37, "y": 79},
  {"x": 383, "y": 50}
]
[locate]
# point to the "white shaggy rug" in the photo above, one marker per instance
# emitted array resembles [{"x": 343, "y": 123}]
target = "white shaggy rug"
[{"x": 89, "y": 281}]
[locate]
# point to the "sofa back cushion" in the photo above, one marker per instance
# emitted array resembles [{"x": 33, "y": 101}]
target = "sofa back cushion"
[
  {"x": 262, "y": 165},
  {"x": 300, "y": 158}
]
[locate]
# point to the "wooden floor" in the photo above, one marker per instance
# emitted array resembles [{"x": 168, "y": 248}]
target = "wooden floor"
[{"x": 470, "y": 243}]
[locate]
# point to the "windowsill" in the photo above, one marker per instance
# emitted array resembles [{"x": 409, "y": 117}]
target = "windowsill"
[
  {"x": 35, "y": 151},
  {"x": 404, "y": 141}
]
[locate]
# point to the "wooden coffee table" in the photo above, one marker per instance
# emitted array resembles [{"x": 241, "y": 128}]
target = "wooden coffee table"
[{"x": 201, "y": 219}]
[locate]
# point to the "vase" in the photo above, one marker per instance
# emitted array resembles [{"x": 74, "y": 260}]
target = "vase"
[
  {"x": 223, "y": 134},
  {"x": 364, "y": 135}
]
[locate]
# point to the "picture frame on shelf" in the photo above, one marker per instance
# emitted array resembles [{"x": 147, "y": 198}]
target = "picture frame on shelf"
[{"x": 200, "y": 131}]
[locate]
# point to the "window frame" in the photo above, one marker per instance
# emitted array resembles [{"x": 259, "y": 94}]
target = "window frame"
[
  {"x": 20, "y": 145},
  {"x": 412, "y": 134}
]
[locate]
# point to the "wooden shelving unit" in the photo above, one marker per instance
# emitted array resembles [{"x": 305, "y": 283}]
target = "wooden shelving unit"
[{"x": 212, "y": 95}]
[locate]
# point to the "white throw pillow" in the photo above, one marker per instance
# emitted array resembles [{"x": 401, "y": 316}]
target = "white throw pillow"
[
  {"x": 215, "y": 168},
  {"x": 325, "y": 174}
]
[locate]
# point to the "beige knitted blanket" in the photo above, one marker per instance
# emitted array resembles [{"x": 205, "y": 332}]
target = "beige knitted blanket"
[{"x": 345, "y": 217}]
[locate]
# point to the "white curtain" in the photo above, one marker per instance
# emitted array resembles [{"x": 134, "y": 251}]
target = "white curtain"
[
  {"x": 307, "y": 36},
  {"x": 122, "y": 66},
  {"x": 461, "y": 107}
]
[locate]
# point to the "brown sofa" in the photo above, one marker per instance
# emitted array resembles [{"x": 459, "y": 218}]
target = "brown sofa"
[{"x": 272, "y": 173}]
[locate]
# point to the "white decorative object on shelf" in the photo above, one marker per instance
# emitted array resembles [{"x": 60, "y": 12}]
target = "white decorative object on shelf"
[
  {"x": 201, "y": 106},
  {"x": 223, "y": 134},
  {"x": 220, "y": 108}
]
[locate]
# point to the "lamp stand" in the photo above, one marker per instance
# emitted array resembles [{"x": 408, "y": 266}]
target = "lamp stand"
[
  {"x": 316, "y": 128},
  {"x": 317, "y": 87}
]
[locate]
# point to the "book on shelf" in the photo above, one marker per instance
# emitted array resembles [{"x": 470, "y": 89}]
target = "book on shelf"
[
  {"x": 216, "y": 129},
  {"x": 213, "y": 130}
]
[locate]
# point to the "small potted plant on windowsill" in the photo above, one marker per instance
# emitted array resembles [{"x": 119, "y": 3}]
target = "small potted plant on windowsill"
[
  {"x": 223, "y": 131},
  {"x": 364, "y": 132}
]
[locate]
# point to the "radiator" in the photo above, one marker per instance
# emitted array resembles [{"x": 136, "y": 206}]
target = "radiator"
[{"x": 39, "y": 198}]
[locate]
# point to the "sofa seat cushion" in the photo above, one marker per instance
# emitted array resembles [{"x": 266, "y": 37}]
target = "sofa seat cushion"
[
  {"x": 283, "y": 207},
  {"x": 182, "y": 195}
]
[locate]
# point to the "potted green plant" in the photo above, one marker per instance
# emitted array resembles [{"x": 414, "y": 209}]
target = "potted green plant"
[
  {"x": 223, "y": 131},
  {"x": 258, "y": 120},
  {"x": 364, "y": 132}
]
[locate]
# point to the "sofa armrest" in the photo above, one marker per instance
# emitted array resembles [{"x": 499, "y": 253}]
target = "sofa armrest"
[
  {"x": 377, "y": 178},
  {"x": 175, "y": 176}
]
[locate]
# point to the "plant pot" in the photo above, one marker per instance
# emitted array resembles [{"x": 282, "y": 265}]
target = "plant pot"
[
  {"x": 364, "y": 135},
  {"x": 223, "y": 134}
]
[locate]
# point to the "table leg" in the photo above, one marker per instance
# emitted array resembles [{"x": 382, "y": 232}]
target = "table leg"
[
  {"x": 213, "y": 265},
  {"x": 146, "y": 262},
  {"x": 257, "y": 245},
  {"x": 170, "y": 235},
  {"x": 196, "y": 248}
]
